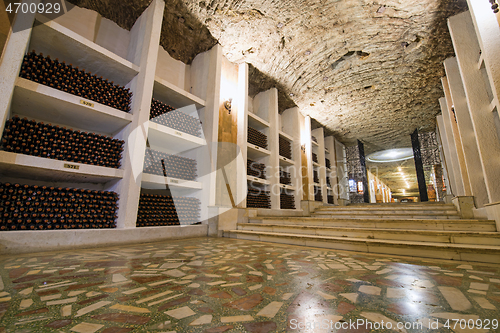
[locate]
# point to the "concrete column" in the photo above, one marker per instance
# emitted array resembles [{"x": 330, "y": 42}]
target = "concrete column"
[
  {"x": 143, "y": 50},
  {"x": 487, "y": 31},
  {"x": 242, "y": 134},
  {"x": 444, "y": 152},
  {"x": 12, "y": 59},
  {"x": 466, "y": 132},
  {"x": 476, "y": 89},
  {"x": 454, "y": 164}
]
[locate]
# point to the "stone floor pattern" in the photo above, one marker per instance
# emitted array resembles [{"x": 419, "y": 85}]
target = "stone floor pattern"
[{"x": 226, "y": 285}]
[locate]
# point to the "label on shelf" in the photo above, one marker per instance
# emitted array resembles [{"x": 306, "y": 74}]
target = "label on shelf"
[
  {"x": 86, "y": 103},
  {"x": 71, "y": 166},
  {"x": 175, "y": 181},
  {"x": 178, "y": 133},
  {"x": 256, "y": 147}
]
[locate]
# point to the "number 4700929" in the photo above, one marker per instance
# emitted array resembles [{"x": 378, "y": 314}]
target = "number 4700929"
[
  {"x": 42, "y": 8},
  {"x": 471, "y": 324}
]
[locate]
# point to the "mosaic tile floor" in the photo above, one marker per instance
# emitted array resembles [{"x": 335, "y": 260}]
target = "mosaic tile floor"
[{"x": 226, "y": 285}]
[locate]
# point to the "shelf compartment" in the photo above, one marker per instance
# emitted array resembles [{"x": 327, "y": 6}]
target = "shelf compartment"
[
  {"x": 257, "y": 122},
  {"x": 286, "y": 136},
  {"x": 155, "y": 182},
  {"x": 286, "y": 161},
  {"x": 39, "y": 168},
  {"x": 171, "y": 94},
  {"x": 258, "y": 180},
  {"x": 38, "y": 101},
  {"x": 168, "y": 140},
  {"x": 255, "y": 152},
  {"x": 51, "y": 38}
]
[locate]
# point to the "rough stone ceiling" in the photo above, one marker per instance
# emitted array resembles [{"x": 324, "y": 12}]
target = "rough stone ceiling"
[{"x": 367, "y": 70}]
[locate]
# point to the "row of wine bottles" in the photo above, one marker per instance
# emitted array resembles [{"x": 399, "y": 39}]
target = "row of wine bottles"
[
  {"x": 327, "y": 163},
  {"x": 75, "y": 81},
  {"x": 33, "y": 207},
  {"x": 315, "y": 177},
  {"x": 285, "y": 178},
  {"x": 328, "y": 181},
  {"x": 257, "y": 138},
  {"x": 34, "y": 138},
  {"x": 258, "y": 198},
  {"x": 163, "y": 164},
  {"x": 287, "y": 201},
  {"x": 330, "y": 199},
  {"x": 318, "y": 196},
  {"x": 164, "y": 210},
  {"x": 315, "y": 157},
  {"x": 285, "y": 148},
  {"x": 256, "y": 169},
  {"x": 164, "y": 114}
]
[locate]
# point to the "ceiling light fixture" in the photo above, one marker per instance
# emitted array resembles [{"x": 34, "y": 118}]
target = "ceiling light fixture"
[{"x": 391, "y": 155}]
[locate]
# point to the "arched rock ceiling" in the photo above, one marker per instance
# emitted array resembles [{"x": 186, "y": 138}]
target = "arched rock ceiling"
[{"x": 367, "y": 70}]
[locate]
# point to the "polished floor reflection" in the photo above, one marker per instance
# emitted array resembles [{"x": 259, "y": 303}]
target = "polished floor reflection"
[{"x": 226, "y": 285}]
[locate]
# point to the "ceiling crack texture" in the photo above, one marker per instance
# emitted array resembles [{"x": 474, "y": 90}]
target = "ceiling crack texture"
[{"x": 367, "y": 70}]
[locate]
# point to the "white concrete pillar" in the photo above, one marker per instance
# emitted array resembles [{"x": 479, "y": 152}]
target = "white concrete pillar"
[
  {"x": 488, "y": 34},
  {"x": 242, "y": 134},
  {"x": 466, "y": 133},
  {"x": 12, "y": 60},
  {"x": 454, "y": 161},
  {"x": 143, "y": 52},
  {"x": 467, "y": 51},
  {"x": 444, "y": 155}
]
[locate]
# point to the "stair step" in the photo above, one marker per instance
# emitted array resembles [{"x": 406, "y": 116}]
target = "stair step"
[
  {"x": 406, "y": 224},
  {"x": 401, "y": 204},
  {"x": 451, "y": 209},
  {"x": 464, "y": 252},
  {"x": 385, "y": 212},
  {"x": 454, "y": 237},
  {"x": 387, "y": 216}
]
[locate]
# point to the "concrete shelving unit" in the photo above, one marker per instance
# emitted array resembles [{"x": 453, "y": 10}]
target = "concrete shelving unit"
[{"x": 132, "y": 59}]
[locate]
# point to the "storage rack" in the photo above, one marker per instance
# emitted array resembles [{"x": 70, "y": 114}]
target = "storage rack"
[{"x": 132, "y": 59}]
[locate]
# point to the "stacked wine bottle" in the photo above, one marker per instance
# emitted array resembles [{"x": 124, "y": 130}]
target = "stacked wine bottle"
[
  {"x": 315, "y": 157},
  {"x": 315, "y": 176},
  {"x": 327, "y": 163},
  {"x": 285, "y": 178},
  {"x": 256, "y": 169},
  {"x": 33, "y": 207},
  {"x": 258, "y": 198},
  {"x": 165, "y": 210},
  {"x": 318, "y": 196},
  {"x": 257, "y": 138},
  {"x": 34, "y": 138},
  {"x": 330, "y": 199},
  {"x": 287, "y": 201},
  {"x": 75, "y": 81},
  {"x": 285, "y": 148},
  {"x": 188, "y": 210},
  {"x": 156, "y": 210},
  {"x": 166, "y": 115},
  {"x": 328, "y": 181},
  {"x": 163, "y": 164}
]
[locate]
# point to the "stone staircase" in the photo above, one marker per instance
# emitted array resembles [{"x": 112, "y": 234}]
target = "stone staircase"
[{"x": 430, "y": 230}]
